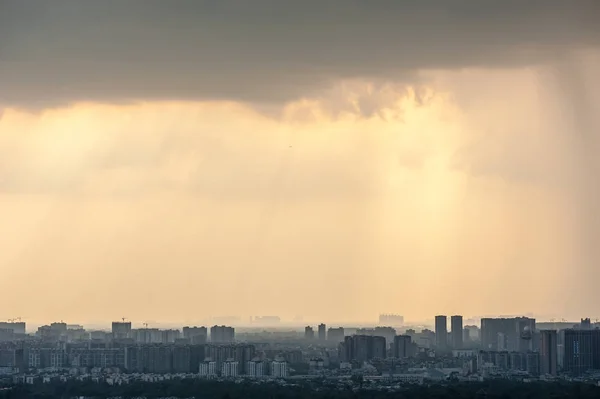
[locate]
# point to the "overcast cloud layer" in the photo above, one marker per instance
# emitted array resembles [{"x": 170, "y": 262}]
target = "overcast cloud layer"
[{"x": 61, "y": 51}]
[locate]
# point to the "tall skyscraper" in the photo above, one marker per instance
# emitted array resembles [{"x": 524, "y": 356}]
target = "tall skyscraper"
[
  {"x": 456, "y": 332},
  {"x": 441, "y": 332},
  {"x": 549, "y": 352},
  {"x": 322, "y": 332}
]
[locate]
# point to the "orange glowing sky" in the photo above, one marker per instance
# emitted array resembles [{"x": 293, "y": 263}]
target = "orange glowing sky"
[{"x": 457, "y": 192}]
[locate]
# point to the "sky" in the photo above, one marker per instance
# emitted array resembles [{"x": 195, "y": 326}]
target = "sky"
[{"x": 181, "y": 160}]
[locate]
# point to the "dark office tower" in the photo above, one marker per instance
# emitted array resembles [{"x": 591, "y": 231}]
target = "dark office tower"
[
  {"x": 549, "y": 352},
  {"x": 222, "y": 334},
  {"x": 402, "y": 346},
  {"x": 309, "y": 333},
  {"x": 441, "y": 332},
  {"x": 456, "y": 332},
  {"x": 322, "y": 332},
  {"x": 581, "y": 351}
]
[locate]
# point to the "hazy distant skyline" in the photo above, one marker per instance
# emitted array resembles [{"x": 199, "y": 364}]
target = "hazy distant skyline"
[{"x": 183, "y": 159}]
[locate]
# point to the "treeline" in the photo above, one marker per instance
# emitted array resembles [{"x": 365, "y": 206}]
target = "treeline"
[{"x": 200, "y": 389}]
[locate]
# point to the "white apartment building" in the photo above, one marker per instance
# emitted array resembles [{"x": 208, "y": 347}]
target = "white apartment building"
[
  {"x": 208, "y": 369},
  {"x": 229, "y": 369}
]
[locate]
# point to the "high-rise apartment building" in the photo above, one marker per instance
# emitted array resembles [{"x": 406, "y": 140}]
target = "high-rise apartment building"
[
  {"x": 121, "y": 329},
  {"x": 362, "y": 348},
  {"x": 222, "y": 334},
  {"x": 208, "y": 369},
  {"x": 256, "y": 368},
  {"x": 279, "y": 368},
  {"x": 456, "y": 332},
  {"x": 229, "y": 369},
  {"x": 335, "y": 335},
  {"x": 309, "y": 333},
  {"x": 322, "y": 332},
  {"x": 441, "y": 332},
  {"x": 195, "y": 335},
  {"x": 549, "y": 352},
  {"x": 402, "y": 346}
]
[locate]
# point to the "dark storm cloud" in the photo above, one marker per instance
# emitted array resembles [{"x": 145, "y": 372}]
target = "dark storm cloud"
[{"x": 58, "y": 51}]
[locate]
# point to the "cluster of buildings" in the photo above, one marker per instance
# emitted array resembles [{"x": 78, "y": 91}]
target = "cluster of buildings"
[
  {"x": 209, "y": 352},
  {"x": 498, "y": 347},
  {"x": 255, "y": 368}
]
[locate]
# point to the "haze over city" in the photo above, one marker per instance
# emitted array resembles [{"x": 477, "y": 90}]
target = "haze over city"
[{"x": 175, "y": 161}]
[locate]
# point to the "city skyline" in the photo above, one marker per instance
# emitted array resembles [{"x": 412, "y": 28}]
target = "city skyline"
[
  {"x": 292, "y": 324},
  {"x": 500, "y": 348}
]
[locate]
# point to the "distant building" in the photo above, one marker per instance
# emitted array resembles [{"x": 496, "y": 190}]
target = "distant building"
[
  {"x": 267, "y": 320},
  {"x": 549, "y": 352},
  {"x": 121, "y": 329},
  {"x": 362, "y": 348},
  {"x": 229, "y": 369},
  {"x": 309, "y": 333},
  {"x": 502, "y": 343},
  {"x": 402, "y": 346},
  {"x": 222, "y": 334},
  {"x": 208, "y": 368},
  {"x": 6, "y": 335},
  {"x": 581, "y": 351},
  {"x": 456, "y": 332},
  {"x": 256, "y": 368},
  {"x": 17, "y": 327},
  {"x": 170, "y": 336},
  {"x": 517, "y": 333},
  {"x": 528, "y": 362},
  {"x": 466, "y": 335},
  {"x": 147, "y": 335},
  {"x": 279, "y": 368},
  {"x": 195, "y": 335},
  {"x": 392, "y": 320},
  {"x": 241, "y": 353},
  {"x": 335, "y": 335},
  {"x": 473, "y": 333},
  {"x": 441, "y": 332},
  {"x": 387, "y": 332},
  {"x": 322, "y": 332},
  {"x": 585, "y": 324}
]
